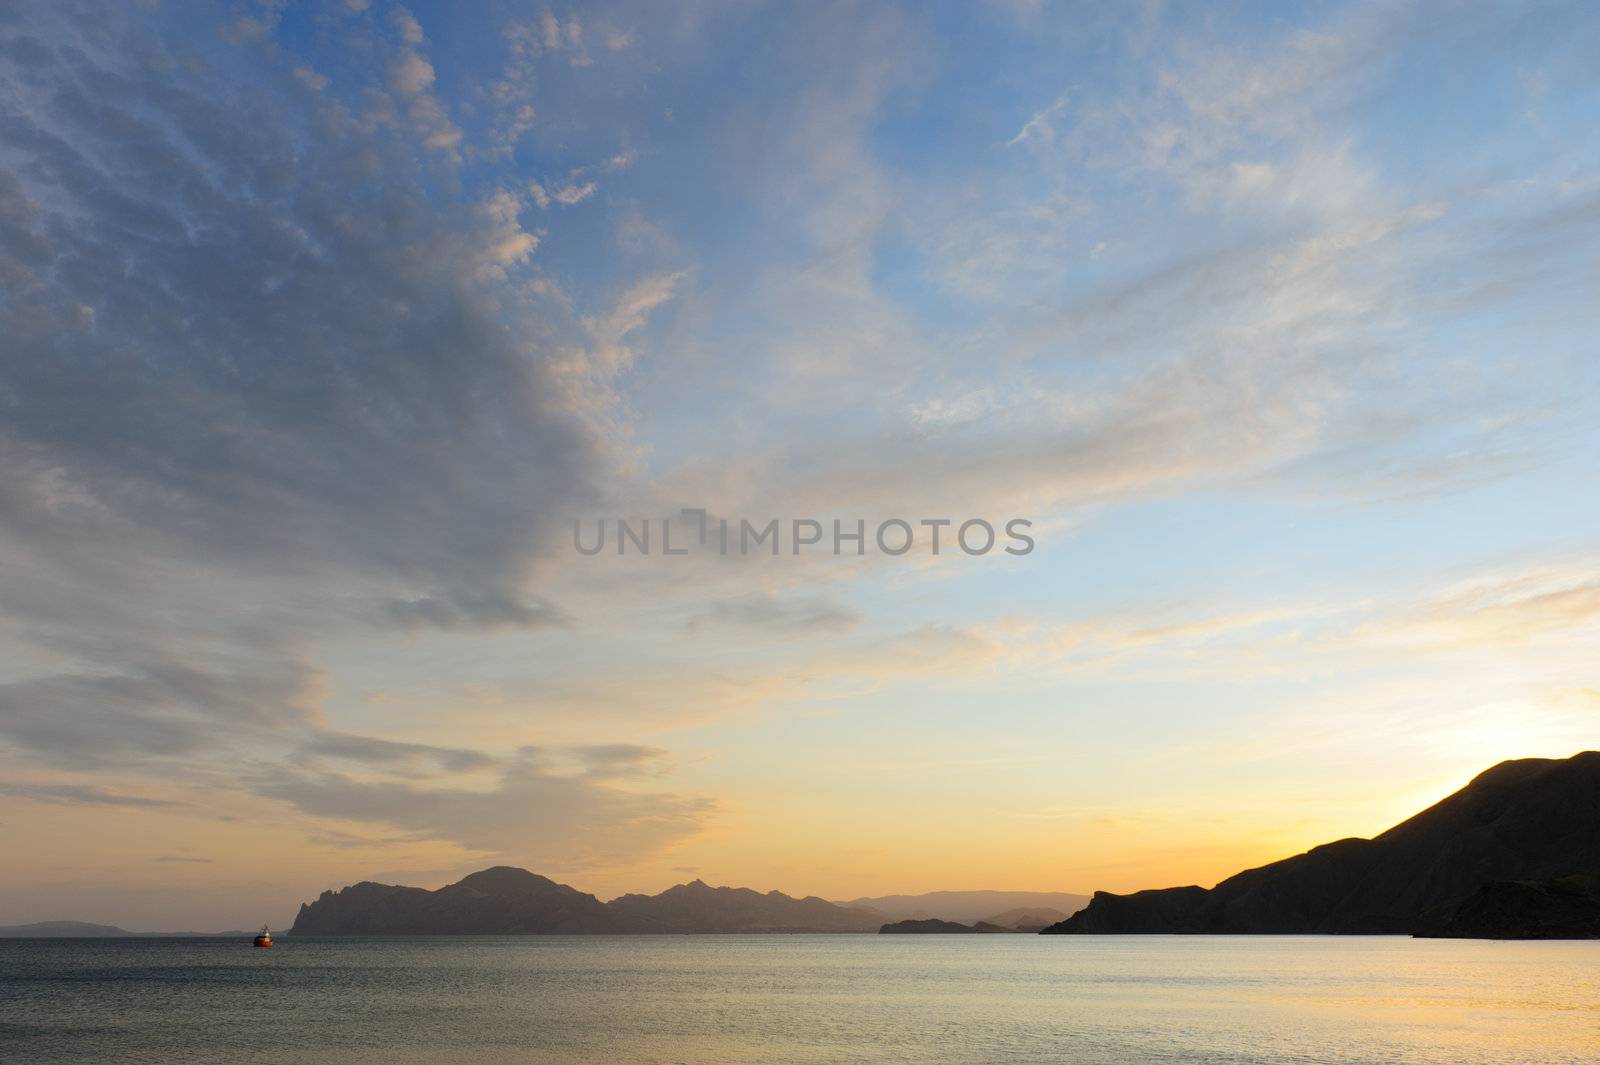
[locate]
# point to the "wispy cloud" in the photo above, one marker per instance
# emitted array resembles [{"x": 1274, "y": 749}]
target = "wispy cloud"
[
  {"x": 82, "y": 795},
  {"x": 794, "y": 614},
  {"x": 584, "y": 819},
  {"x": 1533, "y": 605},
  {"x": 1040, "y": 126}
]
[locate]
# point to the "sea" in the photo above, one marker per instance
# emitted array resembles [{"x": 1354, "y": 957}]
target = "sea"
[{"x": 1120, "y": 1000}]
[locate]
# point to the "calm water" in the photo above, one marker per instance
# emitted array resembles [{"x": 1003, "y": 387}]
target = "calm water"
[{"x": 800, "y": 999}]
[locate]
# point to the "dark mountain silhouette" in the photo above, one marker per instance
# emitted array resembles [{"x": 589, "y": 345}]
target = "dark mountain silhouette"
[
  {"x": 1532, "y": 819},
  {"x": 936, "y": 927},
  {"x": 968, "y": 906},
  {"x": 698, "y": 907},
  {"x": 508, "y": 901},
  {"x": 1567, "y": 907},
  {"x": 498, "y": 900}
]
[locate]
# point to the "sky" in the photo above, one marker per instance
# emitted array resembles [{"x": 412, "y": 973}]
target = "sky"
[{"x": 324, "y": 327}]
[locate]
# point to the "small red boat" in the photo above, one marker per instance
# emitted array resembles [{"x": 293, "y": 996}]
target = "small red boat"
[{"x": 264, "y": 937}]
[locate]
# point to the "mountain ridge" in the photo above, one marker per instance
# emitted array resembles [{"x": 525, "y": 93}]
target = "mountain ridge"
[
  {"x": 1529, "y": 819},
  {"x": 505, "y": 900}
]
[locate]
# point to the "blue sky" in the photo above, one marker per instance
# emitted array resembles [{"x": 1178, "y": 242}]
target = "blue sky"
[{"x": 329, "y": 319}]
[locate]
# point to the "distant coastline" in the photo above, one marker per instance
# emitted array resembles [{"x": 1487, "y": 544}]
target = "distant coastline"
[
  {"x": 86, "y": 930},
  {"x": 507, "y": 900}
]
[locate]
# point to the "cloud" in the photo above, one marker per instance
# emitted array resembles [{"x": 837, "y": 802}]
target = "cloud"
[
  {"x": 589, "y": 373},
  {"x": 568, "y": 195},
  {"x": 1040, "y": 127},
  {"x": 311, "y": 79},
  {"x": 1224, "y": 112},
  {"x": 83, "y": 795},
  {"x": 1531, "y": 606},
  {"x": 459, "y": 612},
  {"x": 564, "y": 36},
  {"x": 512, "y": 93},
  {"x": 630, "y": 312},
  {"x": 406, "y": 25},
  {"x": 261, "y": 385},
  {"x": 148, "y": 711},
  {"x": 606, "y": 761},
  {"x": 766, "y": 611},
  {"x": 410, "y": 74},
  {"x": 506, "y": 243},
  {"x": 1248, "y": 364},
  {"x": 574, "y": 188},
  {"x": 388, "y": 754},
  {"x": 347, "y": 378},
  {"x": 533, "y": 814},
  {"x": 292, "y": 386},
  {"x": 433, "y": 125}
]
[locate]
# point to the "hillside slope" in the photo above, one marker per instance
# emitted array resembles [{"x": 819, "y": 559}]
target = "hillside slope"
[{"x": 1532, "y": 819}]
